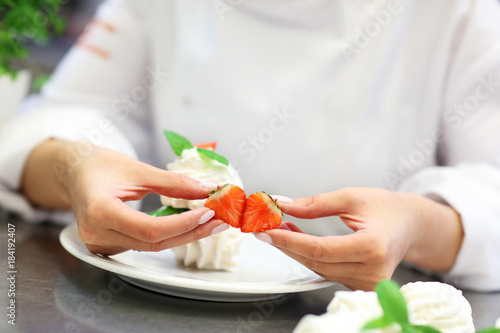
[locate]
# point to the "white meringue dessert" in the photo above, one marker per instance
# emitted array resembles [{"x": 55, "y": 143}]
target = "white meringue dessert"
[
  {"x": 434, "y": 304},
  {"x": 348, "y": 312},
  {"x": 192, "y": 164},
  {"x": 219, "y": 251},
  {"x": 439, "y": 305}
]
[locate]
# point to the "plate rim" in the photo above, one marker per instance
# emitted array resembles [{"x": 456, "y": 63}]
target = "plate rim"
[{"x": 66, "y": 238}]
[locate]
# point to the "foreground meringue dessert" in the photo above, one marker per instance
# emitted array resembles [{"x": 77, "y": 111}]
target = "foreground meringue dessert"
[
  {"x": 438, "y": 305},
  {"x": 433, "y": 304},
  {"x": 347, "y": 313}
]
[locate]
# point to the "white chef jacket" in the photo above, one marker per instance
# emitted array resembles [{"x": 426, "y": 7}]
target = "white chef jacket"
[{"x": 302, "y": 97}]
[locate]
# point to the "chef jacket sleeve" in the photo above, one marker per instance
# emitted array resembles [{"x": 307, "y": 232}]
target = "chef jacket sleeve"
[
  {"x": 468, "y": 175},
  {"x": 96, "y": 93}
]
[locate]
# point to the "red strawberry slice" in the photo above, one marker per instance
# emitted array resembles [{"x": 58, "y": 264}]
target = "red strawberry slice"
[
  {"x": 207, "y": 145},
  {"x": 261, "y": 213},
  {"x": 228, "y": 203}
]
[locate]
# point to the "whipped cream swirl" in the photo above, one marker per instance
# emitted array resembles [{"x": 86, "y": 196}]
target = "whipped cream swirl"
[
  {"x": 197, "y": 166},
  {"x": 438, "y": 305},
  {"x": 429, "y": 303},
  {"x": 217, "y": 252},
  {"x": 348, "y": 312}
]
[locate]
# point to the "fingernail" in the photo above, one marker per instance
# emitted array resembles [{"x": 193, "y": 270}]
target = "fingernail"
[
  {"x": 282, "y": 199},
  {"x": 209, "y": 185},
  {"x": 263, "y": 237},
  {"x": 284, "y": 226},
  {"x": 206, "y": 217},
  {"x": 220, "y": 228}
]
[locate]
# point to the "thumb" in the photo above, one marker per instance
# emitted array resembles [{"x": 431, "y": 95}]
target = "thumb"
[
  {"x": 319, "y": 205},
  {"x": 333, "y": 249},
  {"x": 175, "y": 185}
]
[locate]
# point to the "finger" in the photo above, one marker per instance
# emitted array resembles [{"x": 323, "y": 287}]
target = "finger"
[
  {"x": 333, "y": 271},
  {"x": 353, "y": 275},
  {"x": 113, "y": 242},
  {"x": 173, "y": 184},
  {"x": 294, "y": 228},
  {"x": 319, "y": 205},
  {"x": 200, "y": 232},
  {"x": 105, "y": 250},
  {"x": 286, "y": 225},
  {"x": 331, "y": 249},
  {"x": 141, "y": 226}
]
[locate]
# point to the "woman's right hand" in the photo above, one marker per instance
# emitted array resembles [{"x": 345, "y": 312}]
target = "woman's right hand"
[{"x": 97, "y": 186}]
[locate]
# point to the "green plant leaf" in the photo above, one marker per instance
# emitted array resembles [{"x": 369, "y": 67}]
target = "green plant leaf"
[
  {"x": 392, "y": 301},
  {"x": 177, "y": 142},
  {"x": 378, "y": 323},
  {"x": 23, "y": 22},
  {"x": 213, "y": 155},
  {"x": 59, "y": 25},
  {"x": 168, "y": 210},
  {"x": 489, "y": 330}
]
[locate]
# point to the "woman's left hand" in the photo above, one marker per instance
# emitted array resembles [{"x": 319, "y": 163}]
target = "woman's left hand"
[{"x": 388, "y": 227}]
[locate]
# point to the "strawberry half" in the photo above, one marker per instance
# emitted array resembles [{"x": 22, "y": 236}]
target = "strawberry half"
[
  {"x": 261, "y": 213},
  {"x": 207, "y": 145},
  {"x": 228, "y": 203}
]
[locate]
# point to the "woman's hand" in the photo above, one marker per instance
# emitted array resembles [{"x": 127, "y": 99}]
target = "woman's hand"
[
  {"x": 96, "y": 187},
  {"x": 388, "y": 227}
]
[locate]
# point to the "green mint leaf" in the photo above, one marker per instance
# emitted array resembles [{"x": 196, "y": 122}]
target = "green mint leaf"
[
  {"x": 177, "y": 142},
  {"x": 166, "y": 211},
  {"x": 489, "y": 330},
  {"x": 378, "y": 323},
  {"x": 418, "y": 329},
  {"x": 392, "y": 301},
  {"x": 213, "y": 155}
]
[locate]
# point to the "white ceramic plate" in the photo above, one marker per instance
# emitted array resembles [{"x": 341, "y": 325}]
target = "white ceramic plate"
[{"x": 263, "y": 272}]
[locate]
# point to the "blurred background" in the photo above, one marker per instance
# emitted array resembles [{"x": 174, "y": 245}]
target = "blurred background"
[
  {"x": 77, "y": 14},
  {"x": 29, "y": 50}
]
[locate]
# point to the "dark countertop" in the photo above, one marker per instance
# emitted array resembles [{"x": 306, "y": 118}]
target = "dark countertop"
[{"x": 56, "y": 292}]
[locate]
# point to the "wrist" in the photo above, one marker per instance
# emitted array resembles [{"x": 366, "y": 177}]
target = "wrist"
[
  {"x": 47, "y": 171},
  {"x": 68, "y": 157},
  {"x": 437, "y": 237}
]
